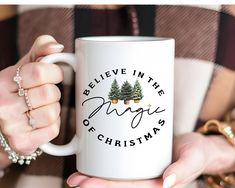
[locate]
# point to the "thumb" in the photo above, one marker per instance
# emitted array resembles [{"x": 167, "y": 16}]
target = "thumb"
[
  {"x": 43, "y": 45},
  {"x": 189, "y": 166}
]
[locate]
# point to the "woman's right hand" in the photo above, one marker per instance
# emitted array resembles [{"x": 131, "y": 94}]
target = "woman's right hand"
[{"x": 39, "y": 79}]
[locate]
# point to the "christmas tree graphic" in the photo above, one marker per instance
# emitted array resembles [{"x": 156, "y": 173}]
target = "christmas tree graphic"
[
  {"x": 126, "y": 92},
  {"x": 137, "y": 92},
  {"x": 114, "y": 93}
]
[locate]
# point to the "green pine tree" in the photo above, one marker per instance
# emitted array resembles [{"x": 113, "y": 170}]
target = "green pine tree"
[
  {"x": 126, "y": 92},
  {"x": 137, "y": 92},
  {"x": 114, "y": 93}
]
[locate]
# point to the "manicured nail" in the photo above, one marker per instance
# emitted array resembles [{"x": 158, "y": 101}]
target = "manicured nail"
[
  {"x": 75, "y": 179},
  {"x": 169, "y": 181},
  {"x": 70, "y": 184},
  {"x": 57, "y": 46}
]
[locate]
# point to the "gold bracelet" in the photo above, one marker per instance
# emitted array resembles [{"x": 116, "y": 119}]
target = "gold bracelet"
[
  {"x": 214, "y": 126},
  {"x": 226, "y": 128}
]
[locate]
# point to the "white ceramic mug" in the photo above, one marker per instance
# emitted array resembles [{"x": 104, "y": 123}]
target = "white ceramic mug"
[{"x": 124, "y": 106}]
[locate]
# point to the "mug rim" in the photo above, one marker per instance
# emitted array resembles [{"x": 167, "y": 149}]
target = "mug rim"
[{"x": 121, "y": 39}]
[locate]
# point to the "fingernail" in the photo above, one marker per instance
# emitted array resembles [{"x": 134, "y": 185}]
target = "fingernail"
[
  {"x": 71, "y": 182},
  {"x": 75, "y": 180},
  {"x": 169, "y": 181},
  {"x": 57, "y": 46}
]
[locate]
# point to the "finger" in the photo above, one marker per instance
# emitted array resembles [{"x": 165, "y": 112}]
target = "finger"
[
  {"x": 27, "y": 142},
  {"x": 76, "y": 179},
  {"x": 16, "y": 106},
  {"x": 41, "y": 96},
  {"x": 43, "y": 45},
  {"x": 101, "y": 183},
  {"x": 36, "y": 74},
  {"x": 84, "y": 181},
  {"x": 189, "y": 166},
  {"x": 43, "y": 135},
  {"x": 44, "y": 116}
]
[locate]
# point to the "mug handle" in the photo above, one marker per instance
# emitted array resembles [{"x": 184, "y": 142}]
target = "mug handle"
[{"x": 74, "y": 145}]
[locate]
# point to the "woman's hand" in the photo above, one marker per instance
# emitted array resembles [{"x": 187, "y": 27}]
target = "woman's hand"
[
  {"x": 39, "y": 79},
  {"x": 194, "y": 154}
]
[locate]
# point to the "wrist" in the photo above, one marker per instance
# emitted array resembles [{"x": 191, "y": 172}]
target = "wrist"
[
  {"x": 220, "y": 155},
  {"x": 4, "y": 161}
]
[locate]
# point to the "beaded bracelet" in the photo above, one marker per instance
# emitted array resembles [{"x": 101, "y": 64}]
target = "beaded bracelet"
[{"x": 14, "y": 156}]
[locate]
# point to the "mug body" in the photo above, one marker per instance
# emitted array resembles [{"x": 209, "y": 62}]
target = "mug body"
[{"x": 124, "y": 106}]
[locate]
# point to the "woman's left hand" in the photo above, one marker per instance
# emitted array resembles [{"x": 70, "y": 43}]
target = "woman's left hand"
[{"x": 192, "y": 157}]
